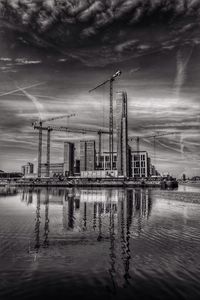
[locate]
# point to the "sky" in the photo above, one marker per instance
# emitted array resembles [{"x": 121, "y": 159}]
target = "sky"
[{"x": 62, "y": 49}]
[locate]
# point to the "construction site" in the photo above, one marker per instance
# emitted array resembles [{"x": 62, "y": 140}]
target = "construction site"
[{"x": 118, "y": 164}]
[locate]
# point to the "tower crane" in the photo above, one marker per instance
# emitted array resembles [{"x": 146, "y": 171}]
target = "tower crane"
[
  {"x": 110, "y": 81},
  {"x": 38, "y": 124},
  {"x": 137, "y": 138},
  {"x": 50, "y": 128}
]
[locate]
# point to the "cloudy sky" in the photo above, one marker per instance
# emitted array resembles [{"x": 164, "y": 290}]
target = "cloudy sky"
[{"x": 66, "y": 47}]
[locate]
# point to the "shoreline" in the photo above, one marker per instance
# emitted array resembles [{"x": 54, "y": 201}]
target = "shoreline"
[{"x": 103, "y": 184}]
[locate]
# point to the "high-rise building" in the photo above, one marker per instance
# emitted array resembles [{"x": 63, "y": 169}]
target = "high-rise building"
[
  {"x": 91, "y": 155},
  {"x": 82, "y": 156},
  {"x": 122, "y": 134},
  {"x": 77, "y": 166},
  {"x": 68, "y": 159},
  {"x": 87, "y": 155}
]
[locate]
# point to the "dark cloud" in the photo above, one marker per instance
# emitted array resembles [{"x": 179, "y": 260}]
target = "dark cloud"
[{"x": 113, "y": 28}]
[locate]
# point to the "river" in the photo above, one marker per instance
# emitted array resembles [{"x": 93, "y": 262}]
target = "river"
[{"x": 99, "y": 243}]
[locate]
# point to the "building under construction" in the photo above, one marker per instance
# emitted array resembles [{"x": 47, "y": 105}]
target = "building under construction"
[
  {"x": 68, "y": 159},
  {"x": 119, "y": 159},
  {"x": 122, "y": 134},
  {"x": 121, "y": 163},
  {"x": 87, "y": 155}
]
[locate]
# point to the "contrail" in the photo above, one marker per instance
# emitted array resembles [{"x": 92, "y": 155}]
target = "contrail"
[
  {"x": 182, "y": 63},
  {"x": 38, "y": 105},
  {"x": 18, "y": 89},
  {"x": 182, "y": 146}
]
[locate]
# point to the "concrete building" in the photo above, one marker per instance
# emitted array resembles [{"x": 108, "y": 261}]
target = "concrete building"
[
  {"x": 68, "y": 159},
  {"x": 153, "y": 171},
  {"x": 56, "y": 169},
  {"x": 139, "y": 164},
  {"x": 82, "y": 156},
  {"x": 28, "y": 169},
  {"x": 87, "y": 155},
  {"x": 77, "y": 166},
  {"x": 122, "y": 134},
  {"x": 104, "y": 163}
]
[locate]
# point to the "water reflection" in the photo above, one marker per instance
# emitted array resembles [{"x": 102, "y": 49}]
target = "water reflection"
[
  {"x": 37, "y": 223},
  {"x": 126, "y": 220},
  {"x": 46, "y": 222},
  {"x": 110, "y": 214},
  {"x": 112, "y": 254},
  {"x": 114, "y": 241},
  {"x": 122, "y": 211},
  {"x": 8, "y": 191}
]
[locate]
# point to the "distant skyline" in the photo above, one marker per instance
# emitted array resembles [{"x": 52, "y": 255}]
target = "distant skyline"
[{"x": 71, "y": 46}]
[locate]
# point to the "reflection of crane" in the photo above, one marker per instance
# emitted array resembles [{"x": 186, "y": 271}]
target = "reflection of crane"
[
  {"x": 110, "y": 81},
  {"x": 137, "y": 138},
  {"x": 39, "y": 124},
  {"x": 50, "y": 128}
]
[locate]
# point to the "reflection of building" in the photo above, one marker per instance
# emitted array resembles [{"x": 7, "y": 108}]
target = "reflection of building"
[
  {"x": 87, "y": 155},
  {"x": 103, "y": 195},
  {"x": 109, "y": 215},
  {"x": 122, "y": 134},
  {"x": 68, "y": 159},
  {"x": 56, "y": 169},
  {"x": 140, "y": 164},
  {"x": 28, "y": 169}
]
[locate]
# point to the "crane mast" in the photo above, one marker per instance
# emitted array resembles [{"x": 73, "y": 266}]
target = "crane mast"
[
  {"x": 110, "y": 81},
  {"x": 38, "y": 125},
  {"x": 51, "y": 128},
  {"x": 40, "y": 149}
]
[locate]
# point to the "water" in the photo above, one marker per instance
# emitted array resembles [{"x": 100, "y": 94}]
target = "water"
[{"x": 99, "y": 244}]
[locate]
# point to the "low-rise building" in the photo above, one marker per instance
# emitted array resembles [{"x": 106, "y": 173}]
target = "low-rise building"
[
  {"x": 28, "y": 169},
  {"x": 56, "y": 169},
  {"x": 139, "y": 164},
  {"x": 103, "y": 162}
]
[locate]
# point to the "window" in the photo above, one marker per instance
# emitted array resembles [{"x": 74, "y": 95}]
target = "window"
[
  {"x": 136, "y": 171},
  {"x": 143, "y": 170}
]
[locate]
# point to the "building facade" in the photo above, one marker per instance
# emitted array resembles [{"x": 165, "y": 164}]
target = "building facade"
[
  {"x": 82, "y": 156},
  {"x": 28, "y": 169},
  {"x": 77, "y": 166},
  {"x": 140, "y": 164},
  {"x": 104, "y": 163},
  {"x": 153, "y": 171},
  {"x": 122, "y": 134},
  {"x": 87, "y": 155},
  {"x": 56, "y": 169},
  {"x": 68, "y": 159}
]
